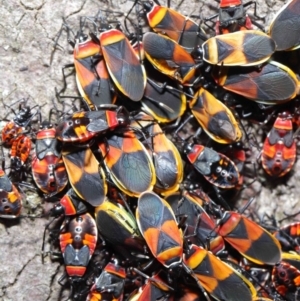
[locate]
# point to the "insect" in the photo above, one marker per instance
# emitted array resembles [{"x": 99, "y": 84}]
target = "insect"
[
  {"x": 170, "y": 58},
  {"x": 232, "y": 17},
  {"x": 215, "y": 118},
  {"x": 241, "y": 48},
  {"x": 285, "y": 278},
  {"x": 284, "y": 29},
  {"x": 86, "y": 177},
  {"x": 92, "y": 77},
  {"x": 165, "y": 156},
  {"x": 10, "y": 198},
  {"x": 261, "y": 246},
  {"x": 128, "y": 162},
  {"x": 215, "y": 167},
  {"x": 48, "y": 170},
  {"x": 279, "y": 149},
  {"x": 176, "y": 26},
  {"x": 122, "y": 63},
  {"x": 227, "y": 284},
  {"x": 157, "y": 224},
  {"x": 18, "y": 125},
  {"x": 77, "y": 241},
  {"x": 83, "y": 126},
  {"x": 255, "y": 84}
]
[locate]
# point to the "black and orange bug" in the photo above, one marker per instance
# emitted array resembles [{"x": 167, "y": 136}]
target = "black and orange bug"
[
  {"x": 166, "y": 158},
  {"x": 248, "y": 238},
  {"x": 176, "y": 26},
  {"x": 215, "y": 167},
  {"x": 219, "y": 279},
  {"x": 273, "y": 83},
  {"x": 92, "y": 77},
  {"x": 82, "y": 126},
  {"x": 286, "y": 280},
  {"x": 289, "y": 237},
  {"x": 128, "y": 163},
  {"x": 48, "y": 170},
  {"x": 279, "y": 150},
  {"x": 10, "y": 198},
  {"x": 241, "y": 48},
  {"x": 78, "y": 239},
  {"x": 85, "y": 175},
  {"x": 215, "y": 118},
  {"x": 158, "y": 226},
  {"x": 109, "y": 285},
  {"x": 170, "y": 58},
  {"x": 119, "y": 229},
  {"x": 123, "y": 64},
  {"x": 284, "y": 29}
]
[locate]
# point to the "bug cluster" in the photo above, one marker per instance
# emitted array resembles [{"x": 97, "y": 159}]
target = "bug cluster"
[{"x": 149, "y": 164}]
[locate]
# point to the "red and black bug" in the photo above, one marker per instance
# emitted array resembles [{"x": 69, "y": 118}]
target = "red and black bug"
[
  {"x": 165, "y": 156},
  {"x": 78, "y": 239},
  {"x": 215, "y": 167},
  {"x": 241, "y": 48},
  {"x": 83, "y": 126},
  {"x": 279, "y": 149},
  {"x": 10, "y": 198},
  {"x": 247, "y": 237},
  {"x": 232, "y": 17},
  {"x": 286, "y": 280},
  {"x": 48, "y": 170},
  {"x": 18, "y": 125}
]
